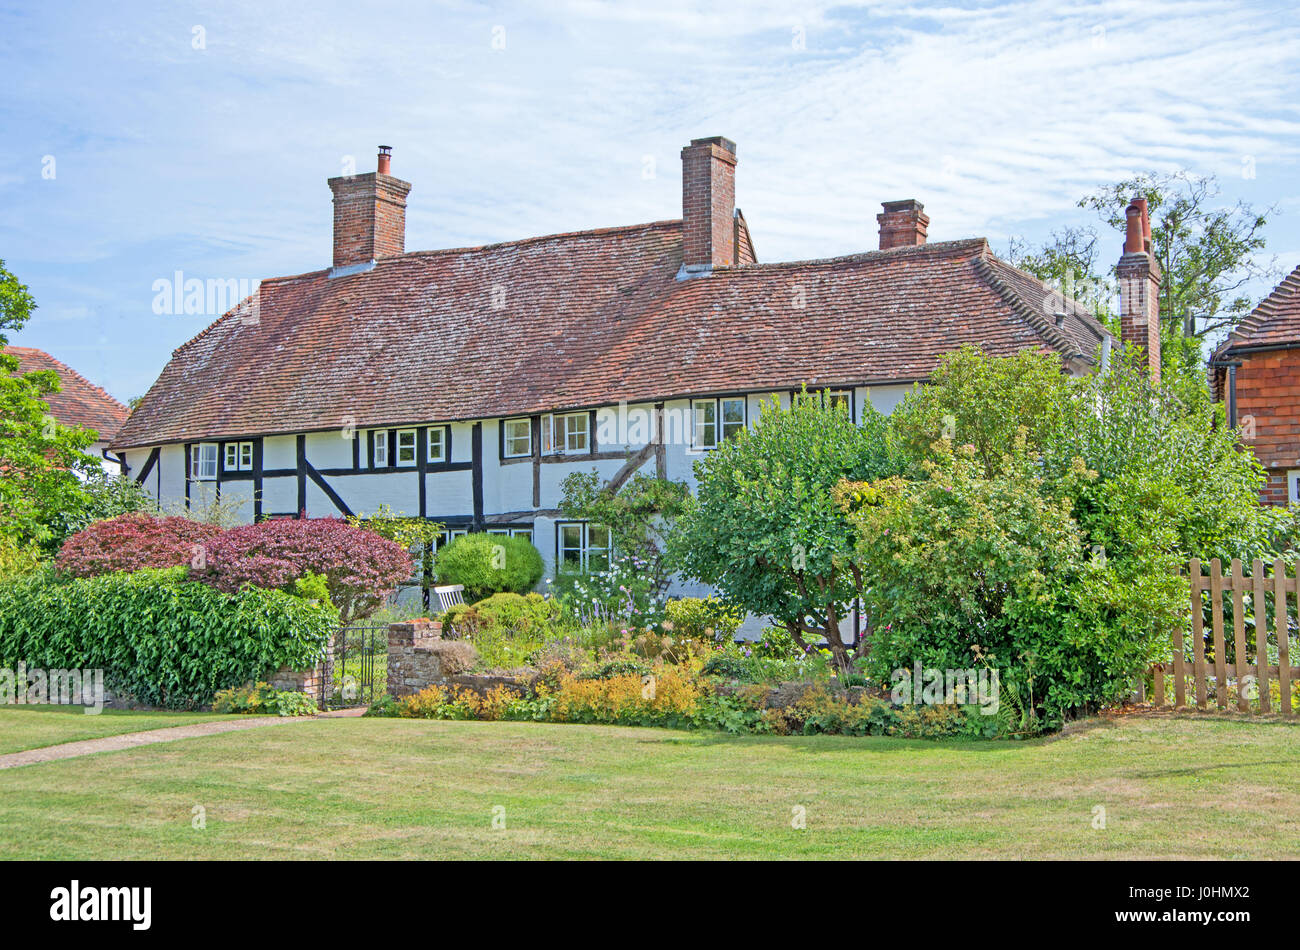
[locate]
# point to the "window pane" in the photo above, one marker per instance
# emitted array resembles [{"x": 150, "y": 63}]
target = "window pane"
[
  {"x": 519, "y": 437},
  {"x": 437, "y": 447},
  {"x": 245, "y": 455},
  {"x": 548, "y": 434},
  {"x": 575, "y": 433},
  {"x": 381, "y": 449},
  {"x": 406, "y": 447},
  {"x": 571, "y": 545},
  {"x": 733, "y": 416},
  {"x": 232, "y": 461},
  {"x": 706, "y": 424}
]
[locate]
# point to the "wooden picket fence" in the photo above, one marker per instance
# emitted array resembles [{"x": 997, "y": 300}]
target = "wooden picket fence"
[{"x": 1247, "y": 659}]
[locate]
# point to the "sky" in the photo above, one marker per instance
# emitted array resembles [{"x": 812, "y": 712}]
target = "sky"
[{"x": 140, "y": 139}]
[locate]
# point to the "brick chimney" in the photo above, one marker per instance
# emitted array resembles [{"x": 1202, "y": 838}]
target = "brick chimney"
[
  {"x": 369, "y": 214},
  {"x": 708, "y": 204},
  {"x": 902, "y": 224},
  {"x": 1139, "y": 287}
]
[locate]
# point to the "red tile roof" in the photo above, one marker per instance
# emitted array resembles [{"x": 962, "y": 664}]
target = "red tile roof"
[
  {"x": 1275, "y": 322},
  {"x": 584, "y": 319},
  {"x": 80, "y": 402}
]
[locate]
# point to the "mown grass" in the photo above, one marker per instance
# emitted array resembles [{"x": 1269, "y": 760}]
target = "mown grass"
[
  {"x": 1171, "y": 787},
  {"x": 31, "y": 727}
]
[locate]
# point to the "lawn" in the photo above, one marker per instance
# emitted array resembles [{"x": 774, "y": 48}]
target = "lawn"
[
  {"x": 1171, "y": 787},
  {"x": 31, "y": 727}
]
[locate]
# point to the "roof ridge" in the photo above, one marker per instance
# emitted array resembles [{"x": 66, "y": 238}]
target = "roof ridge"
[{"x": 943, "y": 248}]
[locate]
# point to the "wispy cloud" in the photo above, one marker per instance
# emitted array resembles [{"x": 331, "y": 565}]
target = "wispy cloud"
[{"x": 512, "y": 121}]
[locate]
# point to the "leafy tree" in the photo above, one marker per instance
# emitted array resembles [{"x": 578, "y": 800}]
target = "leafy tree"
[
  {"x": 41, "y": 459},
  {"x": 134, "y": 542},
  {"x": 765, "y": 529},
  {"x": 105, "y": 496},
  {"x": 1206, "y": 251},
  {"x": 16, "y": 303},
  {"x": 984, "y": 402},
  {"x": 639, "y": 515}
]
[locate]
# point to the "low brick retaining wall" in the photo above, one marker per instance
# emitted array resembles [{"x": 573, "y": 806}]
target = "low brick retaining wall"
[{"x": 418, "y": 657}]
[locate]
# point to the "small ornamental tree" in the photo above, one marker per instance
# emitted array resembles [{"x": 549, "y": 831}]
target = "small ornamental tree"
[
  {"x": 360, "y": 567},
  {"x": 133, "y": 542},
  {"x": 765, "y": 530}
]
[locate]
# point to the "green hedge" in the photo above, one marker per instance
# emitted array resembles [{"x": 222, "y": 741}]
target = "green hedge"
[{"x": 163, "y": 640}]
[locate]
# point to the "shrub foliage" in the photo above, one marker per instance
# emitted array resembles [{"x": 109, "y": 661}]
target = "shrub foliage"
[
  {"x": 163, "y": 640},
  {"x": 132, "y": 542},
  {"x": 488, "y": 564}
]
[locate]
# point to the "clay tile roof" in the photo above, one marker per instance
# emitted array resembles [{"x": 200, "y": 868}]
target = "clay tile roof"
[
  {"x": 573, "y": 321},
  {"x": 80, "y": 402},
  {"x": 1275, "y": 322}
]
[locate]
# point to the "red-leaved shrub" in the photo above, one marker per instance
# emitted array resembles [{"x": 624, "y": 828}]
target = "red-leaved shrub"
[
  {"x": 360, "y": 567},
  {"x": 133, "y": 541}
]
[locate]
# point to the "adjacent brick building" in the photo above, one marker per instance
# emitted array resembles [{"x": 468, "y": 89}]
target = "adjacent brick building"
[{"x": 1256, "y": 372}]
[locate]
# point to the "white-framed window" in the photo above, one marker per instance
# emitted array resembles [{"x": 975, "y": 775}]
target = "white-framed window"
[
  {"x": 381, "y": 448},
  {"x": 1293, "y": 486},
  {"x": 405, "y": 447},
  {"x": 517, "y": 438},
  {"x": 566, "y": 434},
  {"x": 704, "y": 423},
  {"x": 713, "y": 420},
  {"x": 582, "y": 546},
  {"x": 239, "y": 456},
  {"x": 455, "y": 533},
  {"x": 577, "y": 432},
  {"x": 203, "y": 461},
  {"x": 732, "y": 413},
  {"x": 437, "y": 436}
]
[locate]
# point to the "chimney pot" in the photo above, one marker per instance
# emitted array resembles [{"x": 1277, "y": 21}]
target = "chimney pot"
[
  {"x": 903, "y": 224},
  {"x": 1139, "y": 287},
  {"x": 385, "y": 159}
]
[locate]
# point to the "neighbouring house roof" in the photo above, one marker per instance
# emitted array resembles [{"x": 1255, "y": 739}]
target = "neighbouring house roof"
[
  {"x": 578, "y": 320},
  {"x": 80, "y": 402},
  {"x": 1275, "y": 322}
]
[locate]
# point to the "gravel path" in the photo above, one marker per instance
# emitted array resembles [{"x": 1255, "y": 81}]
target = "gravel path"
[{"x": 130, "y": 740}]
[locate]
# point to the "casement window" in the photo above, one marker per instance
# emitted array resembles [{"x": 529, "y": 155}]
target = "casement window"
[
  {"x": 1293, "y": 486},
  {"x": 582, "y": 547},
  {"x": 455, "y": 533},
  {"x": 566, "y": 434},
  {"x": 405, "y": 447},
  {"x": 239, "y": 456},
  {"x": 517, "y": 438},
  {"x": 439, "y": 442},
  {"x": 716, "y": 419},
  {"x": 203, "y": 461},
  {"x": 381, "y": 448}
]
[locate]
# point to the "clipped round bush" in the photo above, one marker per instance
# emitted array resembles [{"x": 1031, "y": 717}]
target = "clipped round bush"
[
  {"x": 488, "y": 564},
  {"x": 133, "y": 542},
  {"x": 360, "y": 567}
]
